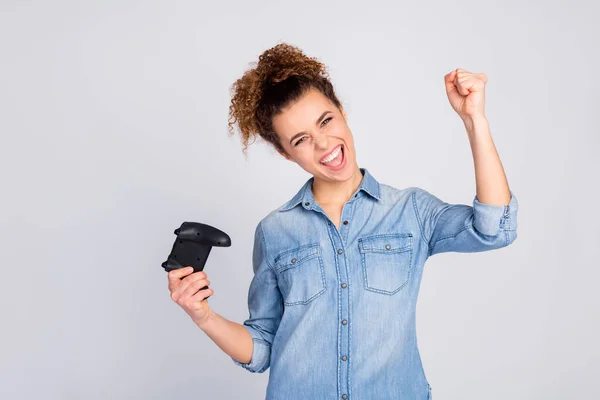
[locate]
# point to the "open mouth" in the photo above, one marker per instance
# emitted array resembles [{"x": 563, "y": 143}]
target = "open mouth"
[{"x": 338, "y": 160}]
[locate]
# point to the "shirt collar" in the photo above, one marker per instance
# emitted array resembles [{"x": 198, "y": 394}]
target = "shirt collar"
[{"x": 369, "y": 185}]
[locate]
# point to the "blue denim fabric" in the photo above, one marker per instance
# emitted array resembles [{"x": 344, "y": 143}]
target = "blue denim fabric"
[{"x": 332, "y": 312}]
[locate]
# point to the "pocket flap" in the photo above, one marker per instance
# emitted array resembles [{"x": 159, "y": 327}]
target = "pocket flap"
[
  {"x": 393, "y": 242},
  {"x": 291, "y": 258}
]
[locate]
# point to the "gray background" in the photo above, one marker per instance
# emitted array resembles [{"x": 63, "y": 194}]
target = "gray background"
[{"x": 113, "y": 121}]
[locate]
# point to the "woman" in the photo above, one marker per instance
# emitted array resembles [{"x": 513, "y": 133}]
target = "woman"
[{"x": 337, "y": 268}]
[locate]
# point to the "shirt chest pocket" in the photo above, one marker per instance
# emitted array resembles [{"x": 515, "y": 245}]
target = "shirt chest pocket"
[
  {"x": 386, "y": 261},
  {"x": 300, "y": 272}
]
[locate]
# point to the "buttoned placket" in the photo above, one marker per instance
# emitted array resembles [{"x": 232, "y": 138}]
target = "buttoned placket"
[{"x": 339, "y": 239}]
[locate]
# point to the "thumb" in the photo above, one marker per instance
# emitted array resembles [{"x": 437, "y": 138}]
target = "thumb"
[
  {"x": 451, "y": 89},
  {"x": 449, "y": 81}
]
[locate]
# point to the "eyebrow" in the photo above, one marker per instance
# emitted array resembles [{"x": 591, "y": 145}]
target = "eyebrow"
[{"x": 316, "y": 123}]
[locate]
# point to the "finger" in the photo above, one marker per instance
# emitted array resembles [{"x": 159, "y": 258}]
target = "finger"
[
  {"x": 179, "y": 293},
  {"x": 185, "y": 282},
  {"x": 449, "y": 77},
  {"x": 458, "y": 85},
  {"x": 175, "y": 277},
  {"x": 463, "y": 89},
  {"x": 193, "y": 288},
  {"x": 179, "y": 273},
  {"x": 200, "y": 296},
  {"x": 449, "y": 81},
  {"x": 463, "y": 84},
  {"x": 195, "y": 276}
]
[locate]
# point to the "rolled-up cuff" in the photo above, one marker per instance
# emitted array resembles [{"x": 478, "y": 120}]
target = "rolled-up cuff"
[
  {"x": 491, "y": 219},
  {"x": 261, "y": 353}
]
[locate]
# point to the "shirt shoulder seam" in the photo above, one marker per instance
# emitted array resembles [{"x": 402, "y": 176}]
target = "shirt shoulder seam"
[
  {"x": 415, "y": 208},
  {"x": 262, "y": 238}
]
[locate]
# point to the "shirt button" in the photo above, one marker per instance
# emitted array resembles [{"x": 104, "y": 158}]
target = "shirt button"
[
  {"x": 344, "y": 396},
  {"x": 345, "y": 222},
  {"x": 307, "y": 204},
  {"x": 387, "y": 246},
  {"x": 344, "y": 285},
  {"x": 344, "y": 358},
  {"x": 293, "y": 260},
  {"x": 344, "y": 322},
  {"x": 340, "y": 251}
]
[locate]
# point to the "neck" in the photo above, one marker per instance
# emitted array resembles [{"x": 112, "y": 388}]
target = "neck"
[{"x": 336, "y": 192}]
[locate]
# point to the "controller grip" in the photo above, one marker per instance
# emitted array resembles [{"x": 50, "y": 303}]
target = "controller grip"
[{"x": 192, "y": 246}]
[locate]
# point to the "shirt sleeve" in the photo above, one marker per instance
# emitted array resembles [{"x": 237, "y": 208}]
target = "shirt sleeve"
[
  {"x": 464, "y": 228},
  {"x": 265, "y": 306}
]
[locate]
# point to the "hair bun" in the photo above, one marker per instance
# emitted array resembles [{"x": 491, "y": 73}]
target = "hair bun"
[{"x": 284, "y": 60}]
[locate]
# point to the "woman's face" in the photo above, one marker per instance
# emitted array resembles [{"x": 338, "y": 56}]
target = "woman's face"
[{"x": 311, "y": 129}]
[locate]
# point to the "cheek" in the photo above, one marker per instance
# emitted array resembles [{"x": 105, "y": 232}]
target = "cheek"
[
  {"x": 346, "y": 136},
  {"x": 303, "y": 154}
]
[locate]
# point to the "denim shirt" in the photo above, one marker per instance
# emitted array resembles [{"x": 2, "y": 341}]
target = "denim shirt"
[{"x": 332, "y": 311}]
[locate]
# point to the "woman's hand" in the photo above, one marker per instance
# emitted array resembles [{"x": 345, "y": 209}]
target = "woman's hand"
[
  {"x": 466, "y": 93},
  {"x": 185, "y": 292}
]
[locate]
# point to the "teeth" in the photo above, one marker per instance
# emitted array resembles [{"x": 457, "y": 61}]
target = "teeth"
[{"x": 332, "y": 156}]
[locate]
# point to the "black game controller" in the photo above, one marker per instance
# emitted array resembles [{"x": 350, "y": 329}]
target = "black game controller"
[{"x": 192, "y": 246}]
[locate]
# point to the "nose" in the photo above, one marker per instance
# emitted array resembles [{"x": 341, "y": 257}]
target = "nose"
[{"x": 321, "y": 141}]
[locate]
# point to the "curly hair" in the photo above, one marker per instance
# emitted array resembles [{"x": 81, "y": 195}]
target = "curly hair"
[{"x": 282, "y": 75}]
